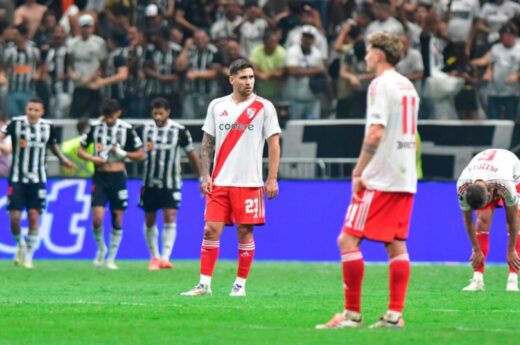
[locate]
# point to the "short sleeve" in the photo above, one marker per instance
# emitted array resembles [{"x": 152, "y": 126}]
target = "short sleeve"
[
  {"x": 209, "y": 123},
  {"x": 271, "y": 125},
  {"x": 377, "y": 103},
  {"x": 8, "y": 129},
  {"x": 53, "y": 135},
  {"x": 185, "y": 140},
  {"x": 87, "y": 138},
  {"x": 133, "y": 142}
]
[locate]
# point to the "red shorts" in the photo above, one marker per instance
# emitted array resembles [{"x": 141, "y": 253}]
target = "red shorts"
[
  {"x": 241, "y": 205},
  {"x": 379, "y": 216}
]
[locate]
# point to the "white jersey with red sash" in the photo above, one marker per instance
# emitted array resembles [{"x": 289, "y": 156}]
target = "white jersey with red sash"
[{"x": 240, "y": 131}]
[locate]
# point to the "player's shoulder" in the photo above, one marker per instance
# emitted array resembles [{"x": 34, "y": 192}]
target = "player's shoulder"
[
  {"x": 95, "y": 123},
  {"x": 19, "y": 118},
  {"x": 124, "y": 124},
  {"x": 264, "y": 101},
  {"x": 219, "y": 101},
  {"x": 175, "y": 124},
  {"x": 46, "y": 122}
]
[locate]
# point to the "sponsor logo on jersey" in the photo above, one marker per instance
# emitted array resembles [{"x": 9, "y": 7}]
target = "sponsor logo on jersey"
[
  {"x": 236, "y": 127},
  {"x": 406, "y": 145}
]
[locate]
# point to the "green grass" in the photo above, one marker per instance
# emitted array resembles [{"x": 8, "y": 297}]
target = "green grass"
[{"x": 63, "y": 302}]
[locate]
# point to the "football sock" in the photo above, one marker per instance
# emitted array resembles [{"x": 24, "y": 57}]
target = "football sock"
[
  {"x": 399, "y": 277},
  {"x": 168, "y": 239},
  {"x": 19, "y": 239},
  {"x": 353, "y": 271},
  {"x": 517, "y": 248},
  {"x": 208, "y": 257},
  {"x": 483, "y": 241},
  {"x": 246, "y": 253},
  {"x": 151, "y": 235},
  {"x": 32, "y": 242},
  {"x": 115, "y": 240},
  {"x": 99, "y": 237}
]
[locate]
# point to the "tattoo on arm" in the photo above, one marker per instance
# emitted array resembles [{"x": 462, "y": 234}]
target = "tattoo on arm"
[
  {"x": 207, "y": 151},
  {"x": 369, "y": 148}
]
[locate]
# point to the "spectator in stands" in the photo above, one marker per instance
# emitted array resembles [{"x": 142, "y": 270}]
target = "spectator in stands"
[
  {"x": 353, "y": 69},
  {"x": 162, "y": 79},
  {"x": 20, "y": 63},
  {"x": 253, "y": 27},
  {"x": 493, "y": 15},
  {"x": 225, "y": 27},
  {"x": 135, "y": 105},
  {"x": 87, "y": 53},
  {"x": 7, "y": 11},
  {"x": 230, "y": 53},
  {"x": 302, "y": 62},
  {"x": 201, "y": 62},
  {"x": 268, "y": 60},
  {"x": 193, "y": 15},
  {"x": 6, "y": 149},
  {"x": 503, "y": 62},
  {"x": 44, "y": 35},
  {"x": 288, "y": 20},
  {"x": 30, "y": 14},
  {"x": 384, "y": 19},
  {"x": 411, "y": 65},
  {"x": 4, "y": 29},
  {"x": 56, "y": 65},
  {"x": 460, "y": 15},
  {"x": 154, "y": 18},
  {"x": 308, "y": 20}
]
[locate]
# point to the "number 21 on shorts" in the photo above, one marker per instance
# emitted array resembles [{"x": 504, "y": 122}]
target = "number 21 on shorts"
[{"x": 252, "y": 206}]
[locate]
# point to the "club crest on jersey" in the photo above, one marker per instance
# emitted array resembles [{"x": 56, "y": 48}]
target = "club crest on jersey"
[{"x": 250, "y": 112}]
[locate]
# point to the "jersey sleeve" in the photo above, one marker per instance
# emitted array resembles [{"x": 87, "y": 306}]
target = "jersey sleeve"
[
  {"x": 8, "y": 129},
  {"x": 377, "y": 103},
  {"x": 461, "y": 196},
  {"x": 509, "y": 194},
  {"x": 87, "y": 138},
  {"x": 133, "y": 142},
  {"x": 209, "y": 124},
  {"x": 53, "y": 137},
  {"x": 186, "y": 141},
  {"x": 119, "y": 61},
  {"x": 271, "y": 125}
]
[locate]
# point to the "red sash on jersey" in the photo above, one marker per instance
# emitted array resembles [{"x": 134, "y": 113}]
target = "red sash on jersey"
[{"x": 247, "y": 116}]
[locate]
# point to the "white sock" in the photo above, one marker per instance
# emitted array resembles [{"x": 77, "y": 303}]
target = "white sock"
[
  {"x": 115, "y": 240},
  {"x": 168, "y": 239},
  {"x": 205, "y": 280},
  {"x": 32, "y": 242},
  {"x": 99, "y": 237},
  {"x": 478, "y": 276},
  {"x": 512, "y": 276},
  {"x": 152, "y": 235},
  {"x": 19, "y": 239},
  {"x": 240, "y": 281}
]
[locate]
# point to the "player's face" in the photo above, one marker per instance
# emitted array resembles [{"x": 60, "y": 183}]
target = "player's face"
[
  {"x": 371, "y": 58},
  {"x": 34, "y": 110},
  {"x": 243, "y": 82},
  {"x": 160, "y": 116},
  {"x": 111, "y": 119}
]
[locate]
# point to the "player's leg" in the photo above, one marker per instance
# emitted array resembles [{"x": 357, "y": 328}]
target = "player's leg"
[
  {"x": 246, "y": 253},
  {"x": 98, "y": 214},
  {"x": 116, "y": 235},
  {"x": 483, "y": 224},
  {"x": 399, "y": 277},
  {"x": 169, "y": 235},
  {"x": 118, "y": 199},
  {"x": 32, "y": 236},
  {"x": 15, "y": 217},
  {"x": 512, "y": 278},
  {"x": 151, "y": 234}
]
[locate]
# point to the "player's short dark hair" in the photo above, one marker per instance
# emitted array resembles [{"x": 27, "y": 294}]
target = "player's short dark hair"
[
  {"x": 475, "y": 196},
  {"x": 109, "y": 106},
  {"x": 159, "y": 103},
  {"x": 22, "y": 29},
  {"x": 82, "y": 125},
  {"x": 36, "y": 99},
  {"x": 238, "y": 65}
]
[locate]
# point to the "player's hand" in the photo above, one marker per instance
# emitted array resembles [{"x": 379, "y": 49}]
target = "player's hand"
[
  {"x": 513, "y": 259},
  {"x": 98, "y": 160},
  {"x": 477, "y": 257},
  {"x": 207, "y": 185},
  {"x": 357, "y": 186},
  {"x": 271, "y": 189},
  {"x": 512, "y": 79},
  {"x": 68, "y": 164}
]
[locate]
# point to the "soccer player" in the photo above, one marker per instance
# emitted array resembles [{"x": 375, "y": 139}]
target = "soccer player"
[
  {"x": 30, "y": 137},
  {"x": 114, "y": 140},
  {"x": 163, "y": 139},
  {"x": 490, "y": 180},
  {"x": 236, "y": 129},
  {"x": 384, "y": 182}
]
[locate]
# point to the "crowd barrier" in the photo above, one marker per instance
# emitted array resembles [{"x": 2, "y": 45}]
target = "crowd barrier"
[{"x": 302, "y": 224}]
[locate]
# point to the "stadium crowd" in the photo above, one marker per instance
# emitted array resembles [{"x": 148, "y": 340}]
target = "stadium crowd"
[{"x": 463, "y": 55}]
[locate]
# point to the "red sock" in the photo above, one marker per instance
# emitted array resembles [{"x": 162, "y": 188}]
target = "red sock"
[
  {"x": 399, "y": 276},
  {"x": 246, "y": 253},
  {"x": 353, "y": 270},
  {"x": 208, "y": 256},
  {"x": 517, "y": 248},
  {"x": 483, "y": 241}
]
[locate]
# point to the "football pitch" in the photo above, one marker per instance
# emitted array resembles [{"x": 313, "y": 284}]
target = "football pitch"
[{"x": 65, "y": 302}]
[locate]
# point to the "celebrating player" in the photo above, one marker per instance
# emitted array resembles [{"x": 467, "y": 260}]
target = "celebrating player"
[
  {"x": 30, "y": 136},
  {"x": 237, "y": 127},
  {"x": 384, "y": 182},
  {"x": 114, "y": 141},
  {"x": 161, "y": 189},
  {"x": 490, "y": 180}
]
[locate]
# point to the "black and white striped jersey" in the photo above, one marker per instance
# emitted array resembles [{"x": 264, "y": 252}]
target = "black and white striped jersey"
[
  {"x": 164, "y": 63},
  {"x": 20, "y": 66},
  {"x": 202, "y": 61},
  {"x": 162, "y": 167},
  {"x": 57, "y": 63},
  {"x": 116, "y": 59},
  {"x": 104, "y": 137},
  {"x": 29, "y": 148}
]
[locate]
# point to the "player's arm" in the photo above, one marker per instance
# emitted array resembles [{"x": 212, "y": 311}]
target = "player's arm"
[
  {"x": 64, "y": 161},
  {"x": 477, "y": 256},
  {"x": 83, "y": 154},
  {"x": 513, "y": 228},
  {"x": 207, "y": 151},
  {"x": 371, "y": 142},
  {"x": 273, "y": 156},
  {"x": 133, "y": 149}
]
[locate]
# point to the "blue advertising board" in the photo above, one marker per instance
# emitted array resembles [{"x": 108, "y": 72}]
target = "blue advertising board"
[{"x": 303, "y": 223}]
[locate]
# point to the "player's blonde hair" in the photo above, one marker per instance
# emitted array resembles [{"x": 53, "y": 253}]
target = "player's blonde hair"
[{"x": 389, "y": 44}]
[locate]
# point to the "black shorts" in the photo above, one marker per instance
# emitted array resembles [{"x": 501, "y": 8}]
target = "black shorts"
[
  {"x": 111, "y": 187},
  {"x": 153, "y": 198},
  {"x": 26, "y": 196}
]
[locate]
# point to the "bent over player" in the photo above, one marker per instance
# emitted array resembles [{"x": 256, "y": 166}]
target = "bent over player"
[
  {"x": 114, "y": 140},
  {"x": 490, "y": 180},
  {"x": 235, "y": 129},
  {"x": 384, "y": 182}
]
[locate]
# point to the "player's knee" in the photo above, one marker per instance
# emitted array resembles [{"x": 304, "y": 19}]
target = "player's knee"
[
  {"x": 210, "y": 232},
  {"x": 345, "y": 243},
  {"x": 97, "y": 222}
]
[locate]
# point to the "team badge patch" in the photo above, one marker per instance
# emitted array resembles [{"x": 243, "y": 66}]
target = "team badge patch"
[{"x": 250, "y": 112}]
